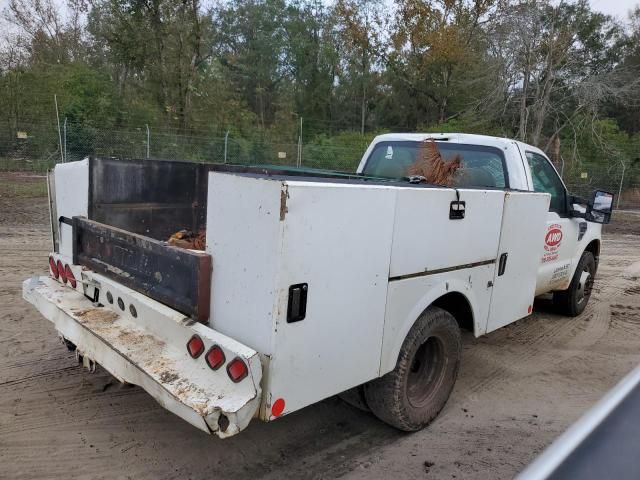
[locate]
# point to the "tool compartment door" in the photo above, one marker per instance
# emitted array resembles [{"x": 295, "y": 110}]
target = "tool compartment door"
[
  {"x": 514, "y": 284},
  {"x": 336, "y": 240},
  {"x": 426, "y": 239}
]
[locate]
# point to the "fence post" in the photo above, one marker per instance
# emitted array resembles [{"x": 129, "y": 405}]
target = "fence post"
[
  {"x": 148, "y": 138},
  {"x": 226, "y": 140},
  {"x": 300, "y": 145},
  {"x": 55, "y": 100},
  {"x": 620, "y": 188},
  {"x": 65, "y": 139}
]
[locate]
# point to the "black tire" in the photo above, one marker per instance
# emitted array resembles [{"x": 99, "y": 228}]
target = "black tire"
[
  {"x": 573, "y": 300},
  {"x": 412, "y": 394}
]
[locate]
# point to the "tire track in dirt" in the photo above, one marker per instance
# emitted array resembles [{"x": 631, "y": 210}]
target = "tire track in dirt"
[{"x": 540, "y": 348}]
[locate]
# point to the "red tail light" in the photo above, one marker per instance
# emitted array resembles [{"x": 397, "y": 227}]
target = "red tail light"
[
  {"x": 237, "y": 370},
  {"x": 54, "y": 268},
  {"x": 278, "y": 407},
  {"x": 215, "y": 357},
  {"x": 61, "y": 272},
  {"x": 69, "y": 275},
  {"x": 195, "y": 346}
]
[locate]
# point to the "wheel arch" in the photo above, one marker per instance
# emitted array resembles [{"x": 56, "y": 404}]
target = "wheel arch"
[
  {"x": 459, "y": 307},
  {"x": 454, "y": 296},
  {"x": 594, "y": 248}
]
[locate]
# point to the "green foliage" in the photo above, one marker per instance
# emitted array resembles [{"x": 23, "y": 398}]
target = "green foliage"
[
  {"x": 601, "y": 152},
  {"x": 341, "y": 152},
  {"x": 533, "y": 69},
  {"x": 89, "y": 97},
  {"x": 466, "y": 124}
]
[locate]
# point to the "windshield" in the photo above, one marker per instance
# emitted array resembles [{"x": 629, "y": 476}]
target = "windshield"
[{"x": 481, "y": 166}]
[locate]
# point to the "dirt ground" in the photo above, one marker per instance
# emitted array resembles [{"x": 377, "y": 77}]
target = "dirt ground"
[{"x": 518, "y": 389}]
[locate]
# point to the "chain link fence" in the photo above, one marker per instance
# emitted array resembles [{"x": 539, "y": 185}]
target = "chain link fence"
[
  {"x": 37, "y": 147},
  {"x": 620, "y": 177}
]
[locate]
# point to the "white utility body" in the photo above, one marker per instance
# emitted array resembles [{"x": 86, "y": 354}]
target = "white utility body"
[{"x": 315, "y": 282}]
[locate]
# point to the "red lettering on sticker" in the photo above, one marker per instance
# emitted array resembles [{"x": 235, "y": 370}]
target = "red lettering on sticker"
[{"x": 554, "y": 237}]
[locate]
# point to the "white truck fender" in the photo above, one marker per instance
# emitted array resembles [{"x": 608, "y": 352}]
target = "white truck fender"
[
  {"x": 591, "y": 235},
  {"x": 397, "y": 325}
]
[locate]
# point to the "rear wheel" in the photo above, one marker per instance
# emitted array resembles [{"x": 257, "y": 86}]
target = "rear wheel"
[
  {"x": 574, "y": 299},
  {"x": 412, "y": 394}
]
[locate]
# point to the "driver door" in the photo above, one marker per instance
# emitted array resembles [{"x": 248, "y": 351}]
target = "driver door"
[{"x": 560, "y": 237}]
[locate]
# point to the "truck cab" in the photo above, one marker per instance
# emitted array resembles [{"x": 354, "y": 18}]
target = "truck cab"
[{"x": 494, "y": 162}]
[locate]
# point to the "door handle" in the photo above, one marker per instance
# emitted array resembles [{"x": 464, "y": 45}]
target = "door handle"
[{"x": 502, "y": 264}]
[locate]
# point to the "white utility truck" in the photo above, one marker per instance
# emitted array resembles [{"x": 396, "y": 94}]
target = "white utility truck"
[{"x": 312, "y": 283}]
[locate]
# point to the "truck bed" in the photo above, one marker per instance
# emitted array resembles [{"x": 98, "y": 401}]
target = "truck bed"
[
  {"x": 156, "y": 198},
  {"x": 134, "y": 206}
]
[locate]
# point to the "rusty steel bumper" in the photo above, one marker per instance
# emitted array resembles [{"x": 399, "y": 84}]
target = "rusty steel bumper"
[{"x": 149, "y": 350}]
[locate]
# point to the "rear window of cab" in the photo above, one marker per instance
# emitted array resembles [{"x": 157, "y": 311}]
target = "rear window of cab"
[{"x": 482, "y": 166}]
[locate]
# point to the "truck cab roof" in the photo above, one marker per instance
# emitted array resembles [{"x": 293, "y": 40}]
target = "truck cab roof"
[
  {"x": 453, "y": 137},
  {"x": 467, "y": 138}
]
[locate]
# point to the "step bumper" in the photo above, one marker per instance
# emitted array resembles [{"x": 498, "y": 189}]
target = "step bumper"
[{"x": 150, "y": 351}]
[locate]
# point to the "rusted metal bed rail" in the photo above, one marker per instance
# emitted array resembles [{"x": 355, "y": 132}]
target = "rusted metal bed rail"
[{"x": 179, "y": 278}]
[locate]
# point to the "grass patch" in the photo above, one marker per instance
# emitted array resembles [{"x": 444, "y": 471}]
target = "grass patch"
[{"x": 19, "y": 186}]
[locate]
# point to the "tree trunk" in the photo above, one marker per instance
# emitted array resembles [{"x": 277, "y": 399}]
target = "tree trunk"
[
  {"x": 365, "y": 75},
  {"x": 524, "y": 111},
  {"x": 444, "y": 100}
]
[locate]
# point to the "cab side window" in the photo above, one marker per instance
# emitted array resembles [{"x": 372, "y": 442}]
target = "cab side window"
[{"x": 545, "y": 179}]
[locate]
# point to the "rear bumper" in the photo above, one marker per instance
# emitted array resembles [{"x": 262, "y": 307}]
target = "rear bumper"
[{"x": 150, "y": 351}]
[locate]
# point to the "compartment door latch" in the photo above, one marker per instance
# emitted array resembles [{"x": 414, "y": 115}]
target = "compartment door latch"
[
  {"x": 297, "y": 307},
  {"x": 502, "y": 264},
  {"x": 457, "y": 208}
]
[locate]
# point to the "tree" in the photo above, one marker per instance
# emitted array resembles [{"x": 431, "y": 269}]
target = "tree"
[
  {"x": 625, "y": 106},
  {"x": 433, "y": 43},
  {"x": 250, "y": 38},
  {"x": 553, "y": 60},
  {"x": 311, "y": 59},
  {"x": 359, "y": 24},
  {"x": 162, "y": 44}
]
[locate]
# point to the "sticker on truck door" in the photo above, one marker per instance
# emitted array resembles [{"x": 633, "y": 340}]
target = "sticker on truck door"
[
  {"x": 560, "y": 273},
  {"x": 560, "y": 279},
  {"x": 552, "y": 241}
]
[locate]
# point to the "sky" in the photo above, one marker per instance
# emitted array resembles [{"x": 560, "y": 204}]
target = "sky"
[{"x": 617, "y": 8}]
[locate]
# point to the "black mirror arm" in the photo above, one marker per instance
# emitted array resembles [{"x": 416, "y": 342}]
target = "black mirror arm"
[
  {"x": 574, "y": 199},
  {"x": 579, "y": 200}
]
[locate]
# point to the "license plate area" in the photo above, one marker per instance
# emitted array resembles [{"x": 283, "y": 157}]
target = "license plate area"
[{"x": 91, "y": 290}]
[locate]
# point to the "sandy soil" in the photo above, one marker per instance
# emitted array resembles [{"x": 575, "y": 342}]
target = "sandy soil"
[{"x": 518, "y": 389}]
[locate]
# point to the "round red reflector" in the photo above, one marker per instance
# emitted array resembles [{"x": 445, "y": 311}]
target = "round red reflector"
[
  {"x": 61, "y": 272},
  {"x": 215, "y": 357},
  {"x": 530, "y": 309},
  {"x": 195, "y": 346},
  {"x": 68, "y": 273},
  {"x": 278, "y": 407},
  {"x": 237, "y": 370},
  {"x": 53, "y": 267}
]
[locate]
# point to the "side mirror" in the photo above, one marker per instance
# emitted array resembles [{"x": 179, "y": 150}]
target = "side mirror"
[{"x": 600, "y": 207}]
